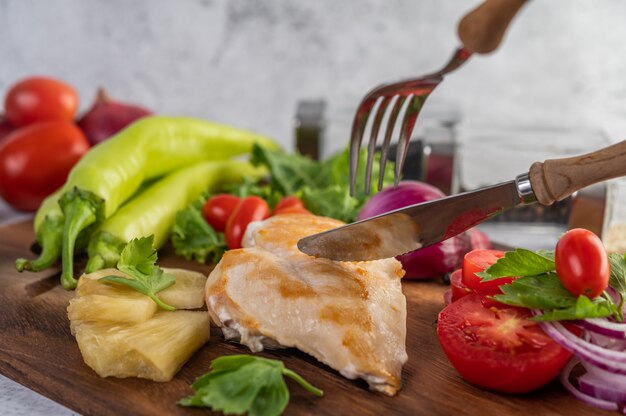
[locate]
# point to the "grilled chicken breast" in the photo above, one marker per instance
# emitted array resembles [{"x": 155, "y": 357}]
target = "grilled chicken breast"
[{"x": 350, "y": 316}]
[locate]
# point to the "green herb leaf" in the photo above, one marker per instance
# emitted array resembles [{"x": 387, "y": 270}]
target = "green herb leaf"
[
  {"x": 244, "y": 383},
  {"x": 138, "y": 261},
  {"x": 193, "y": 238},
  {"x": 536, "y": 292},
  {"x": 546, "y": 292},
  {"x": 584, "y": 308},
  {"x": 520, "y": 262}
]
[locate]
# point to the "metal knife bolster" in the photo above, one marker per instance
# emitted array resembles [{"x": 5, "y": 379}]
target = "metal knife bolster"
[{"x": 525, "y": 189}]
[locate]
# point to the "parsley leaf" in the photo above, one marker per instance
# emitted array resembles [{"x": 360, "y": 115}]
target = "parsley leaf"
[
  {"x": 138, "y": 261},
  {"x": 245, "y": 383},
  {"x": 193, "y": 238},
  {"x": 583, "y": 308},
  {"x": 546, "y": 292},
  {"x": 520, "y": 262}
]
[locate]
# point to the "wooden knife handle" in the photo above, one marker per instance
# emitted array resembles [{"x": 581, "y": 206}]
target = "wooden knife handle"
[
  {"x": 556, "y": 179},
  {"x": 482, "y": 29}
]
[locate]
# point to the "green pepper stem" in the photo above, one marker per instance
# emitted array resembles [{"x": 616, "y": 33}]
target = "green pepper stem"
[
  {"x": 49, "y": 238},
  {"x": 302, "y": 382},
  {"x": 79, "y": 214},
  {"x": 104, "y": 251}
]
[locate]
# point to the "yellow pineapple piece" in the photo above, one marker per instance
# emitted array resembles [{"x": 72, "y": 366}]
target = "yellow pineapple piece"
[
  {"x": 130, "y": 307},
  {"x": 187, "y": 292},
  {"x": 154, "y": 349}
]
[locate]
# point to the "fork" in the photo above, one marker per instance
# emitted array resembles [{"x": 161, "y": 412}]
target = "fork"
[{"x": 480, "y": 31}]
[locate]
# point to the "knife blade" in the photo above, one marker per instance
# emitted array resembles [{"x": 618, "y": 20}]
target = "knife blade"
[
  {"x": 417, "y": 226},
  {"x": 408, "y": 229}
]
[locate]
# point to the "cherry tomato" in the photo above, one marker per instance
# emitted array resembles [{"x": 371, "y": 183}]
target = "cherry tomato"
[
  {"x": 40, "y": 99},
  {"x": 217, "y": 210},
  {"x": 497, "y": 347},
  {"x": 582, "y": 263},
  {"x": 288, "y": 201},
  {"x": 292, "y": 210},
  {"x": 458, "y": 289},
  {"x": 476, "y": 261},
  {"x": 35, "y": 161},
  {"x": 251, "y": 208}
]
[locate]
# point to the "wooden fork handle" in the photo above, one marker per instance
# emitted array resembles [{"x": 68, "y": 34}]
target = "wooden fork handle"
[
  {"x": 556, "y": 179},
  {"x": 482, "y": 29}
]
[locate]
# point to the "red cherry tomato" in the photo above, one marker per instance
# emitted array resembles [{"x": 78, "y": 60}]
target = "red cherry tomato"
[
  {"x": 35, "y": 161},
  {"x": 457, "y": 288},
  {"x": 582, "y": 263},
  {"x": 475, "y": 262},
  {"x": 217, "y": 209},
  {"x": 40, "y": 99},
  {"x": 251, "y": 208},
  {"x": 497, "y": 347},
  {"x": 292, "y": 210},
  {"x": 288, "y": 201}
]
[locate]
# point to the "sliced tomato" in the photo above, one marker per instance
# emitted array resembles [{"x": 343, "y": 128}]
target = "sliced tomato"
[
  {"x": 251, "y": 208},
  {"x": 496, "y": 346},
  {"x": 457, "y": 287},
  {"x": 475, "y": 262},
  {"x": 217, "y": 209}
]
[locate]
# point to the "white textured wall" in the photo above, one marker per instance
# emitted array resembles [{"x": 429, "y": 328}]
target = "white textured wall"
[{"x": 247, "y": 62}]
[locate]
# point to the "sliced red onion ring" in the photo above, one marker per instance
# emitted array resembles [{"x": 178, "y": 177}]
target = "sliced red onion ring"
[
  {"x": 613, "y": 361},
  {"x": 565, "y": 379},
  {"x": 604, "y": 327},
  {"x": 602, "y": 389}
]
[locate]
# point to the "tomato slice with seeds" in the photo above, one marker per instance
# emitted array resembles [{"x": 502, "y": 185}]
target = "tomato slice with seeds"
[{"x": 496, "y": 346}]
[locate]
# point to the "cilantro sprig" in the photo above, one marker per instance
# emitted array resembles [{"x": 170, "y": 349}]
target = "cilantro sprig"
[
  {"x": 539, "y": 287},
  {"x": 244, "y": 383},
  {"x": 138, "y": 262}
]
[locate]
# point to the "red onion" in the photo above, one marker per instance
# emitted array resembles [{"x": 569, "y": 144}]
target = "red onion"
[
  {"x": 107, "y": 116},
  {"x": 587, "y": 398},
  {"x": 432, "y": 261},
  {"x": 602, "y": 352}
]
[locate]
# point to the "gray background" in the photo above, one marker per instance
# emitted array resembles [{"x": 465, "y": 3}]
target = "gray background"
[{"x": 247, "y": 62}]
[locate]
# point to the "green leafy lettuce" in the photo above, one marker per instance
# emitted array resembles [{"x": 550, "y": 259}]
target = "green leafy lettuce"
[
  {"x": 244, "y": 383},
  {"x": 193, "y": 238},
  {"x": 322, "y": 186},
  {"x": 138, "y": 261},
  {"x": 539, "y": 287}
]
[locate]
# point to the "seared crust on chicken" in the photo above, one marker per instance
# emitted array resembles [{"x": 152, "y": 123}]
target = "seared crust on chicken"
[{"x": 351, "y": 316}]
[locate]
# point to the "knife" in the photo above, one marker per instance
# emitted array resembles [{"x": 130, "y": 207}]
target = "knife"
[{"x": 421, "y": 225}]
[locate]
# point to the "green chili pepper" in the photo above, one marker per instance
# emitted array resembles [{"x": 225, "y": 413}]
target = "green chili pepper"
[
  {"x": 112, "y": 172},
  {"x": 152, "y": 212}
]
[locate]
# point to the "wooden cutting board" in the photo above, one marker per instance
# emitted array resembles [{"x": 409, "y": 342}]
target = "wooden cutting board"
[{"x": 38, "y": 351}]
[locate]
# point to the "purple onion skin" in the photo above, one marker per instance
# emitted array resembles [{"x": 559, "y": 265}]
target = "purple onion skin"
[
  {"x": 428, "y": 262},
  {"x": 107, "y": 116}
]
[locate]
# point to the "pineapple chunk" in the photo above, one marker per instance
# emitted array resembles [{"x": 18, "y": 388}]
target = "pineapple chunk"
[
  {"x": 130, "y": 307},
  {"x": 155, "y": 349},
  {"x": 188, "y": 292}
]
